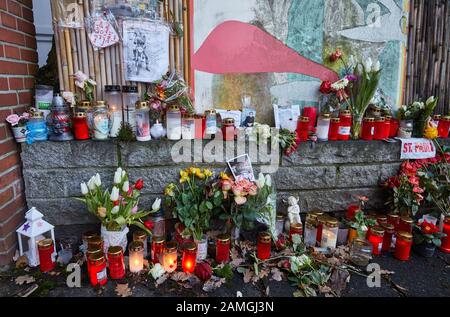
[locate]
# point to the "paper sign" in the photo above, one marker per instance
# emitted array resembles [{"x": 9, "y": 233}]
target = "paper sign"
[
  {"x": 103, "y": 33},
  {"x": 416, "y": 149}
]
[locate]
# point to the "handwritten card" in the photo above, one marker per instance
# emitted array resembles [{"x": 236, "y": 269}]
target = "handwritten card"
[
  {"x": 415, "y": 149},
  {"x": 103, "y": 33}
]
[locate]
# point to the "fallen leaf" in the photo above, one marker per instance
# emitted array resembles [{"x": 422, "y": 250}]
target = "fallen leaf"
[
  {"x": 267, "y": 291},
  {"x": 386, "y": 272},
  {"x": 27, "y": 279},
  {"x": 298, "y": 294},
  {"x": 213, "y": 283},
  {"x": 248, "y": 274},
  {"x": 180, "y": 276},
  {"x": 324, "y": 289},
  {"x": 338, "y": 281},
  {"x": 22, "y": 261},
  {"x": 236, "y": 259},
  {"x": 277, "y": 275},
  {"x": 161, "y": 280},
  {"x": 123, "y": 290}
]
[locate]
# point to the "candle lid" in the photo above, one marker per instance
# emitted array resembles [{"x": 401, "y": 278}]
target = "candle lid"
[
  {"x": 210, "y": 111},
  {"x": 332, "y": 222},
  {"x": 100, "y": 104},
  {"x": 437, "y": 117},
  {"x": 229, "y": 121},
  {"x": 190, "y": 246},
  {"x": 381, "y": 218},
  {"x": 188, "y": 116},
  {"x": 322, "y": 219},
  {"x": 171, "y": 247},
  {"x": 407, "y": 220},
  {"x": 116, "y": 250},
  {"x": 388, "y": 226},
  {"x": 223, "y": 237},
  {"x": 38, "y": 115},
  {"x": 380, "y": 119},
  {"x": 336, "y": 120},
  {"x": 304, "y": 119},
  {"x": 369, "y": 119},
  {"x": 173, "y": 108},
  {"x": 112, "y": 88},
  {"x": 46, "y": 243},
  {"x": 265, "y": 237},
  {"x": 80, "y": 115},
  {"x": 85, "y": 104},
  {"x": 378, "y": 231},
  {"x": 142, "y": 105},
  {"x": 97, "y": 257},
  {"x": 446, "y": 118},
  {"x": 405, "y": 235},
  {"x": 95, "y": 240},
  {"x": 388, "y": 118},
  {"x": 158, "y": 240},
  {"x": 136, "y": 246},
  {"x": 139, "y": 235},
  {"x": 93, "y": 251},
  {"x": 326, "y": 116},
  {"x": 317, "y": 212},
  {"x": 130, "y": 89},
  {"x": 88, "y": 235},
  {"x": 280, "y": 217},
  {"x": 346, "y": 113},
  {"x": 393, "y": 216}
]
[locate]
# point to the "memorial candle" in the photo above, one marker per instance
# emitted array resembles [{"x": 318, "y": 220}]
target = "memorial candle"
[
  {"x": 264, "y": 245},
  {"x": 223, "y": 244},
  {"x": 80, "y": 126},
  {"x": 403, "y": 246},
  {"x": 330, "y": 230},
  {"x": 228, "y": 129},
  {"x": 406, "y": 224},
  {"x": 116, "y": 263},
  {"x": 393, "y": 129},
  {"x": 113, "y": 98},
  {"x": 444, "y": 127},
  {"x": 375, "y": 237},
  {"x": 47, "y": 255},
  {"x": 97, "y": 271},
  {"x": 379, "y": 129},
  {"x": 303, "y": 129},
  {"x": 295, "y": 228},
  {"x": 323, "y": 127},
  {"x": 445, "y": 245},
  {"x": 345, "y": 125},
  {"x": 136, "y": 257},
  {"x": 189, "y": 260},
  {"x": 157, "y": 249},
  {"x": 389, "y": 231},
  {"x": 334, "y": 129},
  {"x": 141, "y": 236},
  {"x": 170, "y": 257},
  {"x": 368, "y": 129}
]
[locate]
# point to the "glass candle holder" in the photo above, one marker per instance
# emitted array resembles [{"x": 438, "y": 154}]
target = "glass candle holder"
[
  {"x": 376, "y": 237},
  {"x": 100, "y": 122},
  {"x": 444, "y": 127},
  {"x": 381, "y": 220},
  {"x": 113, "y": 98},
  {"x": 200, "y": 127},
  {"x": 330, "y": 233},
  {"x": 311, "y": 114},
  {"x": 211, "y": 122},
  {"x": 406, "y": 224},
  {"x": 80, "y": 126},
  {"x": 403, "y": 246},
  {"x": 334, "y": 129},
  {"x": 393, "y": 129},
  {"x": 188, "y": 127},
  {"x": 310, "y": 234},
  {"x": 279, "y": 225},
  {"x": 159, "y": 224},
  {"x": 136, "y": 257},
  {"x": 142, "y": 122},
  {"x": 173, "y": 123},
  {"x": 89, "y": 253},
  {"x": 189, "y": 260},
  {"x": 445, "y": 241},
  {"x": 345, "y": 126},
  {"x": 360, "y": 252},
  {"x": 47, "y": 255},
  {"x": 323, "y": 127},
  {"x": 320, "y": 222},
  {"x": 96, "y": 242},
  {"x": 264, "y": 246},
  {"x": 86, "y": 236},
  {"x": 223, "y": 245},
  {"x": 37, "y": 128},
  {"x": 158, "y": 244},
  {"x": 387, "y": 127},
  {"x": 228, "y": 129},
  {"x": 393, "y": 219},
  {"x": 303, "y": 129},
  {"x": 116, "y": 263},
  {"x": 170, "y": 257},
  {"x": 295, "y": 228},
  {"x": 130, "y": 96},
  {"x": 141, "y": 236},
  {"x": 379, "y": 128},
  {"x": 389, "y": 231},
  {"x": 97, "y": 269},
  {"x": 368, "y": 129}
]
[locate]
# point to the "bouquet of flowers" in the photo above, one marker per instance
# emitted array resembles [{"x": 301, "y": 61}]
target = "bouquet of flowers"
[
  {"x": 17, "y": 120},
  {"x": 420, "y": 112},
  {"x": 119, "y": 207},
  {"x": 428, "y": 233},
  {"x": 86, "y": 84},
  {"x": 266, "y": 200}
]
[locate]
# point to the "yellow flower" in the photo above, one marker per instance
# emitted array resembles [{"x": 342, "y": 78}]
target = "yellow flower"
[
  {"x": 169, "y": 190},
  {"x": 199, "y": 174},
  {"x": 431, "y": 133},
  {"x": 208, "y": 173},
  {"x": 224, "y": 176}
]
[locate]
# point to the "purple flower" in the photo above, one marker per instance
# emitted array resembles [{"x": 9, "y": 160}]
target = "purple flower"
[
  {"x": 134, "y": 210},
  {"x": 351, "y": 77}
]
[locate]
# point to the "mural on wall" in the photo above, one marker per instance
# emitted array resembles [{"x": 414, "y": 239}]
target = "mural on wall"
[{"x": 276, "y": 50}]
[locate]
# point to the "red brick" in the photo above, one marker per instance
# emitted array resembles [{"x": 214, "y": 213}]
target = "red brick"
[
  {"x": 8, "y": 242},
  {"x": 11, "y": 208},
  {"x": 2, "y": 53},
  {"x": 9, "y": 99},
  {"x": 12, "y": 52},
  {"x": 3, "y": 133},
  {"x": 6, "y": 195},
  {"x": 14, "y": 8},
  {"x": 29, "y": 56},
  {"x": 4, "y": 113},
  {"x": 8, "y": 162},
  {"x": 27, "y": 14},
  {"x": 12, "y": 224},
  {"x": 28, "y": 3},
  {"x": 6, "y": 257},
  {"x": 11, "y": 36},
  {"x": 28, "y": 83},
  {"x": 32, "y": 69},
  {"x": 25, "y": 97},
  {"x": 9, "y": 178},
  {"x": 8, "y": 20},
  {"x": 13, "y": 68},
  {"x": 30, "y": 42},
  {"x": 26, "y": 27},
  {"x": 4, "y": 84},
  {"x": 3, "y": 4},
  {"x": 15, "y": 83},
  {"x": 7, "y": 147}
]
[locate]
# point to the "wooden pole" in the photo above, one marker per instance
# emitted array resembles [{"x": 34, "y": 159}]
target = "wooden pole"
[{"x": 57, "y": 45}]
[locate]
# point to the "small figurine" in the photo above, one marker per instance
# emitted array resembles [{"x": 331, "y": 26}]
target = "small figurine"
[
  {"x": 293, "y": 213},
  {"x": 157, "y": 131}
]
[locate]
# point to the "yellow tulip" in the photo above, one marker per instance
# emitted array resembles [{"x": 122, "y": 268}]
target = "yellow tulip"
[
  {"x": 208, "y": 173},
  {"x": 224, "y": 176}
]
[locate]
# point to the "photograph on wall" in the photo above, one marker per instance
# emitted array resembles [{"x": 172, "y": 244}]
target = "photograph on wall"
[
  {"x": 248, "y": 117},
  {"x": 146, "y": 50},
  {"x": 241, "y": 168},
  {"x": 279, "y": 49}
]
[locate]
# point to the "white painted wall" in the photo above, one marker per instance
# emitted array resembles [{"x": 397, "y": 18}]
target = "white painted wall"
[{"x": 44, "y": 30}]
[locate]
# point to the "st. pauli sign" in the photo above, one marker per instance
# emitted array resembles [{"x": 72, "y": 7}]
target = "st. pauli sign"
[{"x": 415, "y": 149}]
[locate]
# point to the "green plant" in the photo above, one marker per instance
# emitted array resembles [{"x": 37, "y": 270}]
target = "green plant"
[
  {"x": 126, "y": 133},
  {"x": 307, "y": 275},
  {"x": 361, "y": 223}
]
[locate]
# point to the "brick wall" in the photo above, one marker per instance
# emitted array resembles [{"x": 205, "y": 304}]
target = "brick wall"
[{"x": 18, "y": 58}]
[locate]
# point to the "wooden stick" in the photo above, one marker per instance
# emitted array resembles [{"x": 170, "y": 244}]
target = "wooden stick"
[
  {"x": 186, "y": 42},
  {"x": 69, "y": 58},
  {"x": 57, "y": 45},
  {"x": 90, "y": 50},
  {"x": 176, "y": 15},
  {"x": 83, "y": 41},
  {"x": 108, "y": 67},
  {"x": 75, "y": 56}
]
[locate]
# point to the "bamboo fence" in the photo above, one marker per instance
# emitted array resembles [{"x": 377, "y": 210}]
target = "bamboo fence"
[
  {"x": 74, "y": 50},
  {"x": 428, "y": 69}
]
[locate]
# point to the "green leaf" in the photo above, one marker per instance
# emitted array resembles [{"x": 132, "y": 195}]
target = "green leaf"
[{"x": 209, "y": 205}]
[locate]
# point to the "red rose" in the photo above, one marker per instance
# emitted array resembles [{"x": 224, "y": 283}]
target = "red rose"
[
  {"x": 325, "y": 87},
  {"x": 139, "y": 184},
  {"x": 203, "y": 271},
  {"x": 149, "y": 224},
  {"x": 428, "y": 228},
  {"x": 335, "y": 56}
]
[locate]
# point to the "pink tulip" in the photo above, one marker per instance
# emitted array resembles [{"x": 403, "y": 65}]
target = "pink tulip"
[
  {"x": 226, "y": 185},
  {"x": 13, "y": 119},
  {"x": 134, "y": 210},
  {"x": 239, "y": 200}
]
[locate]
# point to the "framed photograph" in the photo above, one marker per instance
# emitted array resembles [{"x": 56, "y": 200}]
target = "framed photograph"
[
  {"x": 241, "y": 168},
  {"x": 286, "y": 117},
  {"x": 235, "y": 114},
  {"x": 248, "y": 118}
]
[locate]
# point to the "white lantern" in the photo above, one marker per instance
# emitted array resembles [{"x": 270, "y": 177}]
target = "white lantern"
[{"x": 33, "y": 230}]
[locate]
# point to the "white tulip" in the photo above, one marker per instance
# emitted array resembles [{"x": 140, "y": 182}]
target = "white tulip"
[
  {"x": 126, "y": 186},
  {"x": 260, "y": 182},
  {"x": 430, "y": 100},
  {"x": 351, "y": 62},
  {"x": 368, "y": 64},
  {"x": 117, "y": 177},
  {"x": 91, "y": 183},
  {"x": 124, "y": 174},
  {"x": 268, "y": 180},
  {"x": 98, "y": 180},
  {"x": 377, "y": 66},
  {"x": 156, "y": 205},
  {"x": 115, "y": 210},
  {"x": 114, "y": 194},
  {"x": 84, "y": 189}
]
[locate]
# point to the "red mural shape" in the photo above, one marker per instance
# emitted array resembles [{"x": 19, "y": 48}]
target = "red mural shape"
[{"x": 237, "y": 47}]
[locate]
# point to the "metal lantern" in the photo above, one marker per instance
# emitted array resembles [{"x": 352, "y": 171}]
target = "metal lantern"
[
  {"x": 59, "y": 120},
  {"x": 33, "y": 230}
]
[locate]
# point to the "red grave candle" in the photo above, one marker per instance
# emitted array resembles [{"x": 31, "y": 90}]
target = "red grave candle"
[
  {"x": 47, "y": 255},
  {"x": 387, "y": 127},
  {"x": 80, "y": 126},
  {"x": 200, "y": 126},
  {"x": 346, "y": 125},
  {"x": 303, "y": 129},
  {"x": 376, "y": 237},
  {"x": 403, "y": 246},
  {"x": 389, "y": 231},
  {"x": 97, "y": 269},
  {"x": 157, "y": 249},
  {"x": 116, "y": 263},
  {"x": 367, "y": 129},
  {"x": 189, "y": 260},
  {"x": 264, "y": 245},
  {"x": 444, "y": 127},
  {"x": 311, "y": 114},
  {"x": 393, "y": 129},
  {"x": 393, "y": 219},
  {"x": 223, "y": 244},
  {"x": 379, "y": 129},
  {"x": 381, "y": 220},
  {"x": 295, "y": 228},
  {"x": 445, "y": 245},
  {"x": 406, "y": 224},
  {"x": 89, "y": 253},
  {"x": 334, "y": 129},
  {"x": 228, "y": 129},
  {"x": 320, "y": 221}
]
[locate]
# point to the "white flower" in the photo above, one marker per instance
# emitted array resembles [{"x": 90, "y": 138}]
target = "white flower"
[
  {"x": 91, "y": 183},
  {"x": 268, "y": 180},
  {"x": 351, "y": 62},
  {"x": 126, "y": 186},
  {"x": 157, "y": 204},
  {"x": 98, "y": 180},
  {"x": 299, "y": 262},
  {"x": 340, "y": 84},
  {"x": 124, "y": 174},
  {"x": 430, "y": 100},
  {"x": 368, "y": 64},
  {"x": 115, "y": 210},
  {"x": 364, "y": 228},
  {"x": 260, "y": 182},
  {"x": 377, "y": 66},
  {"x": 157, "y": 271},
  {"x": 118, "y": 176},
  {"x": 114, "y": 194},
  {"x": 84, "y": 189}
]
